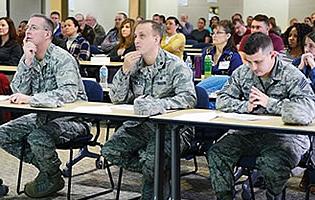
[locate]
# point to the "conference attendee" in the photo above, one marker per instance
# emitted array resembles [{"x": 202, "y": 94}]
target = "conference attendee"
[
  {"x": 273, "y": 27},
  {"x": 86, "y": 31},
  {"x": 172, "y": 41},
  {"x": 55, "y": 18},
  {"x": 154, "y": 81},
  {"x": 185, "y": 26},
  {"x": 10, "y": 49},
  {"x": 126, "y": 41},
  {"x": 98, "y": 29},
  {"x": 240, "y": 30},
  {"x": 46, "y": 77},
  {"x": 21, "y": 32},
  {"x": 213, "y": 21},
  {"x": 249, "y": 21},
  {"x": 308, "y": 21},
  {"x": 111, "y": 39},
  {"x": 265, "y": 85},
  {"x": 201, "y": 35}
]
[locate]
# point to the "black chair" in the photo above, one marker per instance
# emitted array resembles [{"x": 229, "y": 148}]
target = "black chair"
[{"x": 95, "y": 94}]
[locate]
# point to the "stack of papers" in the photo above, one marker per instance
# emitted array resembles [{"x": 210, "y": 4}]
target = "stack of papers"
[{"x": 4, "y": 97}]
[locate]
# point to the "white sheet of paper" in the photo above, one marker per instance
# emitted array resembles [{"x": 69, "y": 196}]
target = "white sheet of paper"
[
  {"x": 4, "y": 97},
  {"x": 244, "y": 117},
  {"x": 194, "y": 116},
  {"x": 92, "y": 109},
  {"x": 128, "y": 107}
]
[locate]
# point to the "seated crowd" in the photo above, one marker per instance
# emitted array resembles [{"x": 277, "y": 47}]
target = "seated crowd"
[{"x": 257, "y": 69}]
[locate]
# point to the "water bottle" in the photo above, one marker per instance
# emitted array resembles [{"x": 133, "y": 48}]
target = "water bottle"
[
  {"x": 208, "y": 65},
  {"x": 103, "y": 76},
  {"x": 189, "y": 64}
]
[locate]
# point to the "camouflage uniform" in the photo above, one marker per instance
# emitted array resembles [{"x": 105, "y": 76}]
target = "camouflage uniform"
[
  {"x": 289, "y": 96},
  {"x": 169, "y": 85},
  {"x": 51, "y": 82}
]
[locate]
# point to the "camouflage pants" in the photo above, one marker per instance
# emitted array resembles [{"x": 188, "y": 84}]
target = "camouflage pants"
[
  {"x": 41, "y": 138},
  {"x": 277, "y": 156},
  {"x": 133, "y": 147}
]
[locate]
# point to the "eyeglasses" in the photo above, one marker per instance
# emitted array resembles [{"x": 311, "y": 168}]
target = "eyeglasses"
[
  {"x": 34, "y": 28},
  {"x": 219, "y": 33}
]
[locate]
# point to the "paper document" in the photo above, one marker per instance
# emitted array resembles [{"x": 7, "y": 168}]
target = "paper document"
[
  {"x": 128, "y": 107},
  {"x": 4, "y": 97},
  {"x": 92, "y": 109},
  {"x": 245, "y": 117},
  {"x": 196, "y": 116}
]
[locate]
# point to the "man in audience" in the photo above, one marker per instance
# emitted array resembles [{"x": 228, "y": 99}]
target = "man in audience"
[
  {"x": 240, "y": 30},
  {"x": 86, "y": 30},
  {"x": 98, "y": 29},
  {"x": 201, "y": 35},
  {"x": 236, "y": 16},
  {"x": 111, "y": 39},
  {"x": 266, "y": 85},
  {"x": 261, "y": 24},
  {"x": 47, "y": 76},
  {"x": 186, "y": 27},
  {"x": 156, "y": 18},
  {"x": 154, "y": 81},
  {"x": 55, "y": 18}
]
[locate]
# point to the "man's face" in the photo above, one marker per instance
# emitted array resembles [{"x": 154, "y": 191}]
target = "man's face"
[
  {"x": 80, "y": 19},
  {"x": 90, "y": 21},
  {"x": 261, "y": 63},
  {"x": 200, "y": 24},
  {"x": 118, "y": 19},
  {"x": 309, "y": 46},
  {"x": 54, "y": 18},
  {"x": 258, "y": 26},
  {"x": 36, "y": 32},
  {"x": 145, "y": 39},
  {"x": 239, "y": 29},
  {"x": 156, "y": 19},
  {"x": 313, "y": 18}
]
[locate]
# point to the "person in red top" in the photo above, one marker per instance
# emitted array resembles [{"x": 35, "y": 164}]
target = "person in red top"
[
  {"x": 240, "y": 30},
  {"x": 261, "y": 24}
]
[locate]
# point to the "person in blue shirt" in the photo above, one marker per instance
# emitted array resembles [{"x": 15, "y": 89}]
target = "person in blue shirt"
[
  {"x": 306, "y": 63},
  {"x": 224, "y": 56}
]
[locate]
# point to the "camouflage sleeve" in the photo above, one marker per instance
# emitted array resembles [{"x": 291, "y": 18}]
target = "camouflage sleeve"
[
  {"x": 230, "y": 96},
  {"x": 67, "y": 79},
  {"x": 299, "y": 108},
  {"x": 120, "y": 91},
  {"x": 185, "y": 94},
  {"x": 21, "y": 82}
]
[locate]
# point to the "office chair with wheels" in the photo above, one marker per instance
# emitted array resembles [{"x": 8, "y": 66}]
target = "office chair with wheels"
[{"x": 95, "y": 94}]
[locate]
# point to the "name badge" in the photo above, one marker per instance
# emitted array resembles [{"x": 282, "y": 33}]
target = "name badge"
[{"x": 224, "y": 65}]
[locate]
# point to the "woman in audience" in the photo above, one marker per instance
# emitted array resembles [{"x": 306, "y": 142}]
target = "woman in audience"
[
  {"x": 126, "y": 41},
  {"x": 214, "y": 20},
  {"x": 10, "y": 50},
  {"x": 172, "y": 41},
  {"x": 306, "y": 63},
  {"x": 224, "y": 56},
  {"x": 75, "y": 42},
  {"x": 21, "y": 32},
  {"x": 293, "y": 40},
  {"x": 308, "y": 21}
]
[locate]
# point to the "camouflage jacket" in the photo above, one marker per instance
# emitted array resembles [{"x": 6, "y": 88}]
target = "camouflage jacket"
[
  {"x": 168, "y": 81},
  {"x": 289, "y": 93},
  {"x": 51, "y": 82}
]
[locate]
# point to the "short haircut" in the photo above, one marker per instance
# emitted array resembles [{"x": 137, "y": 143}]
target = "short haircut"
[
  {"x": 55, "y": 13},
  {"x": 48, "y": 24},
  {"x": 203, "y": 19},
  {"x": 79, "y": 14},
  {"x": 75, "y": 22},
  {"x": 262, "y": 18},
  {"x": 123, "y": 14},
  {"x": 156, "y": 27},
  {"x": 257, "y": 41},
  {"x": 173, "y": 18}
]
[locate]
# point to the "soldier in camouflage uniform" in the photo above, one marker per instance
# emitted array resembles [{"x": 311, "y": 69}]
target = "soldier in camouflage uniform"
[
  {"x": 265, "y": 85},
  {"x": 154, "y": 81},
  {"x": 47, "y": 76}
]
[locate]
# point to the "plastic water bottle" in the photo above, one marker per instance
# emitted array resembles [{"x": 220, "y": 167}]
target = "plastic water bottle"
[
  {"x": 208, "y": 65},
  {"x": 190, "y": 65},
  {"x": 103, "y": 76},
  {"x": 197, "y": 67}
]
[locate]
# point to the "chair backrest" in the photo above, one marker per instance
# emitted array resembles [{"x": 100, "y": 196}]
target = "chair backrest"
[
  {"x": 202, "y": 98},
  {"x": 94, "y": 91}
]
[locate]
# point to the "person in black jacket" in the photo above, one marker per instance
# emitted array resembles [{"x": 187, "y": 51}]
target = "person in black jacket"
[
  {"x": 10, "y": 49},
  {"x": 126, "y": 41}
]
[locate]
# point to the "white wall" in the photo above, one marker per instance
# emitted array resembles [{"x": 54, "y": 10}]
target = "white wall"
[
  {"x": 272, "y": 8},
  {"x": 3, "y": 5},
  {"x": 22, "y": 10},
  {"x": 103, "y": 10},
  {"x": 301, "y": 8},
  {"x": 164, "y": 7}
]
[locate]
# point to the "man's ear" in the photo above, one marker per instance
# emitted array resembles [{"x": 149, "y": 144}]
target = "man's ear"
[{"x": 228, "y": 35}]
